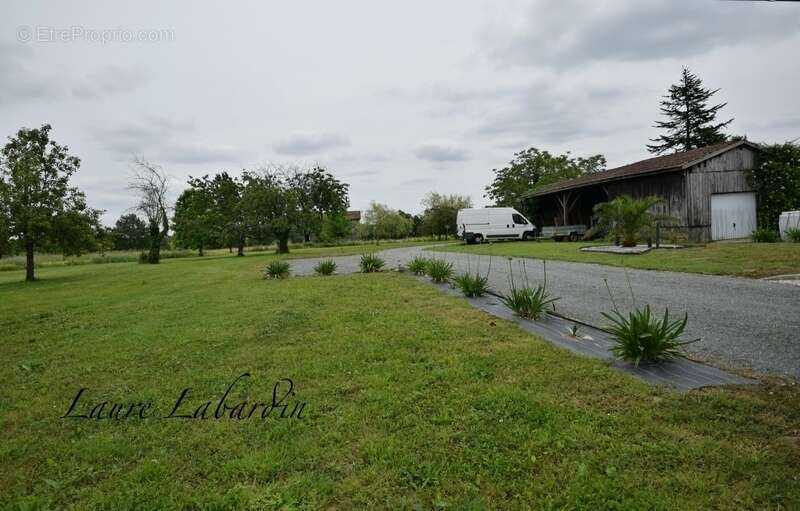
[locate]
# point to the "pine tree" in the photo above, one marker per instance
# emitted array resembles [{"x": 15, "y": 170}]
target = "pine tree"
[{"x": 690, "y": 121}]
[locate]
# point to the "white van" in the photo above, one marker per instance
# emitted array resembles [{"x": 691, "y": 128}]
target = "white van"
[{"x": 476, "y": 225}]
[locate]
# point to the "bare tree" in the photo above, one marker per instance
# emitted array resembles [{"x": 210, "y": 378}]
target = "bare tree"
[{"x": 151, "y": 184}]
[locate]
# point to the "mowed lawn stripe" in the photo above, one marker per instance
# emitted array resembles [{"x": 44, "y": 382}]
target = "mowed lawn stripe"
[{"x": 740, "y": 259}]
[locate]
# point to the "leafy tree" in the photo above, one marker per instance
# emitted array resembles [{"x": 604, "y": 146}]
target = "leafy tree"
[
  {"x": 271, "y": 206},
  {"x": 777, "y": 181},
  {"x": 382, "y": 222},
  {"x": 129, "y": 233},
  {"x": 151, "y": 184},
  {"x": 416, "y": 221},
  {"x": 690, "y": 121},
  {"x": 35, "y": 191},
  {"x": 196, "y": 220},
  {"x": 629, "y": 219},
  {"x": 335, "y": 226},
  {"x": 439, "y": 218},
  {"x": 104, "y": 238},
  {"x": 5, "y": 232},
  {"x": 231, "y": 222},
  {"x": 74, "y": 230},
  {"x": 318, "y": 193},
  {"x": 533, "y": 168}
]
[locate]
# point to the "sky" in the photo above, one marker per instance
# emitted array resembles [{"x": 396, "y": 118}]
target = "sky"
[{"x": 397, "y": 99}]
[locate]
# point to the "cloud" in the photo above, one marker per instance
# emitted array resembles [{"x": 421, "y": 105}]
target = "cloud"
[
  {"x": 361, "y": 173},
  {"x": 554, "y": 35},
  {"x": 553, "y": 112},
  {"x": 18, "y": 81},
  {"x": 545, "y": 109},
  {"x": 441, "y": 152},
  {"x": 169, "y": 140},
  {"x": 24, "y": 78},
  {"x": 195, "y": 153},
  {"x": 131, "y": 138},
  {"x": 304, "y": 144},
  {"x": 418, "y": 181},
  {"x": 108, "y": 81}
]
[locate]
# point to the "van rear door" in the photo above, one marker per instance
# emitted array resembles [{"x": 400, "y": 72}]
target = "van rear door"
[{"x": 474, "y": 221}]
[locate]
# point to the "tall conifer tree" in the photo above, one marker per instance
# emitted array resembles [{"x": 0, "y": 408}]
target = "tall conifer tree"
[{"x": 690, "y": 121}]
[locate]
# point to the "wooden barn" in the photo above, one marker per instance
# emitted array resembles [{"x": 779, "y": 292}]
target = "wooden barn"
[{"x": 707, "y": 191}]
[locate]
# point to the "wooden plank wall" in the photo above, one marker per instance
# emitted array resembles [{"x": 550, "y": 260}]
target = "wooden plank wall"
[
  {"x": 727, "y": 173},
  {"x": 668, "y": 186}
]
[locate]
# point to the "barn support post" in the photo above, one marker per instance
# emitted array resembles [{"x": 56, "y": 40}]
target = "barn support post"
[
  {"x": 658, "y": 234},
  {"x": 567, "y": 202}
]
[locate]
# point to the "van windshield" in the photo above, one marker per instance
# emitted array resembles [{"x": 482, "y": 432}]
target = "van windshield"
[{"x": 518, "y": 219}]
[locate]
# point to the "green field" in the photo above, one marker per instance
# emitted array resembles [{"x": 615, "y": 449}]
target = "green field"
[
  {"x": 17, "y": 263},
  {"x": 741, "y": 259},
  {"x": 413, "y": 400}
]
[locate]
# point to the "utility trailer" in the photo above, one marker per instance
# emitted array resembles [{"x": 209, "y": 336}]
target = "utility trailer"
[{"x": 563, "y": 232}]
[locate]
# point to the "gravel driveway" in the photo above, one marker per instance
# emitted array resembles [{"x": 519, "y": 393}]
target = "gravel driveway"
[{"x": 743, "y": 323}]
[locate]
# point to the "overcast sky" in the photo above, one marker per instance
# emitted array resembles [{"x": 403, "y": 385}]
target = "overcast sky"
[{"x": 395, "y": 98}]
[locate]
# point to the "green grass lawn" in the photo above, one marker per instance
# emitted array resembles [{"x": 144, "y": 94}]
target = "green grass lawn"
[
  {"x": 17, "y": 263},
  {"x": 742, "y": 259},
  {"x": 414, "y": 400}
]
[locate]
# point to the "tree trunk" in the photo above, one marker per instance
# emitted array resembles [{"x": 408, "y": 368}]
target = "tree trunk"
[
  {"x": 200, "y": 249},
  {"x": 307, "y": 237},
  {"x": 154, "y": 254},
  {"x": 240, "y": 248},
  {"x": 283, "y": 243},
  {"x": 629, "y": 241},
  {"x": 29, "y": 261}
]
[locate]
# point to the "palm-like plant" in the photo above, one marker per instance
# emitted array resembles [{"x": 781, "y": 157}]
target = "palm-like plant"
[
  {"x": 629, "y": 219},
  {"x": 641, "y": 337}
]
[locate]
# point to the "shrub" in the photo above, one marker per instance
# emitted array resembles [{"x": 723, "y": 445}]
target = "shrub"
[
  {"x": 643, "y": 338},
  {"x": 674, "y": 236},
  {"x": 418, "y": 265},
  {"x": 763, "y": 235},
  {"x": 629, "y": 219},
  {"x": 371, "y": 263},
  {"x": 277, "y": 269},
  {"x": 142, "y": 258},
  {"x": 326, "y": 267},
  {"x": 472, "y": 284},
  {"x": 439, "y": 270},
  {"x": 528, "y": 302},
  {"x": 777, "y": 181},
  {"x": 793, "y": 234},
  {"x": 593, "y": 233}
]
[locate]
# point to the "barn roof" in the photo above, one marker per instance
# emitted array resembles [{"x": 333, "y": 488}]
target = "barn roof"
[{"x": 666, "y": 163}]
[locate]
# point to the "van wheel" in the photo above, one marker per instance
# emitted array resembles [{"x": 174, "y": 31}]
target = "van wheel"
[
  {"x": 528, "y": 236},
  {"x": 477, "y": 239}
]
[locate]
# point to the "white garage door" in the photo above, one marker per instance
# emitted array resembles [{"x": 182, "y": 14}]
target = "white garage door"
[{"x": 733, "y": 215}]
